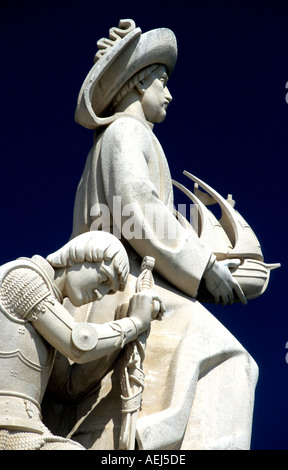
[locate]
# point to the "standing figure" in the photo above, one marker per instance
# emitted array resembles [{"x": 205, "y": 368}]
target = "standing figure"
[
  {"x": 34, "y": 324},
  {"x": 200, "y": 381}
]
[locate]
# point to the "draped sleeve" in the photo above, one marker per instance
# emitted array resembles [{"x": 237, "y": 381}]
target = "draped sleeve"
[{"x": 131, "y": 172}]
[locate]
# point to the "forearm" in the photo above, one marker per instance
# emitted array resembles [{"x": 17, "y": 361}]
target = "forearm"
[
  {"x": 142, "y": 216},
  {"x": 150, "y": 227},
  {"x": 103, "y": 342},
  {"x": 93, "y": 342},
  {"x": 83, "y": 342}
]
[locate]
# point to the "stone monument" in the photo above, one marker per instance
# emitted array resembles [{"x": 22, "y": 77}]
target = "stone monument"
[
  {"x": 194, "y": 387},
  {"x": 34, "y": 324},
  {"x": 120, "y": 380}
]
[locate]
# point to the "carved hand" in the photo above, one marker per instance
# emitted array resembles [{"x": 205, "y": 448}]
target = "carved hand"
[
  {"x": 141, "y": 308},
  {"x": 220, "y": 282}
]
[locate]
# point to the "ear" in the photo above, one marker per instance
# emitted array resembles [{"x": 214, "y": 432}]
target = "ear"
[{"x": 140, "y": 87}]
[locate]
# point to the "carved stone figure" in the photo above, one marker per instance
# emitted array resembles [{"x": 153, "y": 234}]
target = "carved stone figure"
[
  {"x": 199, "y": 380},
  {"x": 34, "y": 324}
]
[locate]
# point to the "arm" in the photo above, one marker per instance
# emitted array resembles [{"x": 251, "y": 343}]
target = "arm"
[
  {"x": 179, "y": 254},
  {"x": 85, "y": 342},
  {"x": 126, "y": 155}
]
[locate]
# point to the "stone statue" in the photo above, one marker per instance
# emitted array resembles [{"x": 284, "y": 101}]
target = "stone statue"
[
  {"x": 199, "y": 380},
  {"x": 34, "y": 324}
]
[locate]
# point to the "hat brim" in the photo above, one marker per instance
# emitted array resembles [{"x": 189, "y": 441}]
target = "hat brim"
[{"x": 126, "y": 58}]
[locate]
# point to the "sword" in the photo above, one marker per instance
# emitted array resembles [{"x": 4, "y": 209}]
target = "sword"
[{"x": 132, "y": 382}]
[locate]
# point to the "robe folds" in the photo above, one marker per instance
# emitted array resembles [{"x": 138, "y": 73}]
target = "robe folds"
[{"x": 199, "y": 380}]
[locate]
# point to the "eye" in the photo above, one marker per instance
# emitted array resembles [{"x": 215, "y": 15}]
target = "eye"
[{"x": 164, "y": 80}]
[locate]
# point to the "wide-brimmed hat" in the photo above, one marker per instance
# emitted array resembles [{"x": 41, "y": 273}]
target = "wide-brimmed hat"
[{"x": 125, "y": 53}]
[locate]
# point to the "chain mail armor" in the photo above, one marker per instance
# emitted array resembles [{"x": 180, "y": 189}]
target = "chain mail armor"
[
  {"x": 22, "y": 291},
  {"x": 13, "y": 440},
  {"x": 26, "y": 359}
]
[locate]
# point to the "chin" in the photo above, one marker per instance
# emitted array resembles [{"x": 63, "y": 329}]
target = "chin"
[{"x": 161, "y": 117}]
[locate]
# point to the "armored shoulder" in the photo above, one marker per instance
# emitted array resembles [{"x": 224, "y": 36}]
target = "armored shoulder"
[{"x": 21, "y": 292}]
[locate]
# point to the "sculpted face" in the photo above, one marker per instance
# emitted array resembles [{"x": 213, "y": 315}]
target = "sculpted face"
[
  {"x": 89, "y": 282},
  {"x": 156, "y": 96}
]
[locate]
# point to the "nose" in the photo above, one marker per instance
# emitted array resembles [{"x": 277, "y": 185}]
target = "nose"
[
  {"x": 103, "y": 289},
  {"x": 168, "y": 95}
]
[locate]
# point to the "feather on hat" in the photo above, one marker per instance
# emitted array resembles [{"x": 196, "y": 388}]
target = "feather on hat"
[{"x": 118, "y": 59}]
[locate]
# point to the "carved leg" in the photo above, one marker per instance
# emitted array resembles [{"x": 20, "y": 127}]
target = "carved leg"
[{"x": 222, "y": 410}]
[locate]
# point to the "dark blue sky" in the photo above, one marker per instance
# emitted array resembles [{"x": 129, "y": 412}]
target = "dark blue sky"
[{"x": 227, "y": 124}]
